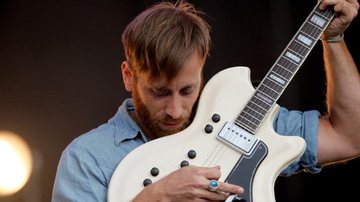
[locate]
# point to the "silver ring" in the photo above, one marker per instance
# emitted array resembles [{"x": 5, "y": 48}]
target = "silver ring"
[{"x": 213, "y": 185}]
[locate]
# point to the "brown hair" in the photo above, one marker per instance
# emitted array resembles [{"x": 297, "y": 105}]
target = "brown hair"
[{"x": 162, "y": 37}]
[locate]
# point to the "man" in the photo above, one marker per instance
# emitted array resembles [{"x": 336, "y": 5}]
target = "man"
[{"x": 166, "y": 47}]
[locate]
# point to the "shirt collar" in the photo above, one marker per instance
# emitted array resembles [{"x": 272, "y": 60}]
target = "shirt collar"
[{"x": 125, "y": 127}]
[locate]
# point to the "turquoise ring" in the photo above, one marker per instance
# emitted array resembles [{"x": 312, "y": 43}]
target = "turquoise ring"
[{"x": 213, "y": 185}]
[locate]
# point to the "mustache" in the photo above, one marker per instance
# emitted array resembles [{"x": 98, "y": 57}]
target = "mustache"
[{"x": 169, "y": 119}]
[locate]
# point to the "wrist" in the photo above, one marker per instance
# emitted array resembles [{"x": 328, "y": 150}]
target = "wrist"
[
  {"x": 151, "y": 193},
  {"x": 332, "y": 39}
]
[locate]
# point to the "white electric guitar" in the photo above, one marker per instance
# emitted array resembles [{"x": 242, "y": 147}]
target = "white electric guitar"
[{"x": 232, "y": 128}]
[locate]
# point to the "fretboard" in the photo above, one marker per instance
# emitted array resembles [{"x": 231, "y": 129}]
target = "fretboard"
[{"x": 281, "y": 73}]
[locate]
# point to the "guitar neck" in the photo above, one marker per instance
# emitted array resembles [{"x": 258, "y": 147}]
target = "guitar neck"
[{"x": 284, "y": 69}]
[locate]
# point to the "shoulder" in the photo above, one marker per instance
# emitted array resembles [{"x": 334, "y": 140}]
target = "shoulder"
[
  {"x": 82, "y": 163},
  {"x": 101, "y": 148},
  {"x": 91, "y": 140},
  {"x": 91, "y": 147}
]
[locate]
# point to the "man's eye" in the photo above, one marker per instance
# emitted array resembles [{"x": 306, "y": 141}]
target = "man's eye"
[
  {"x": 187, "y": 91},
  {"x": 160, "y": 93}
]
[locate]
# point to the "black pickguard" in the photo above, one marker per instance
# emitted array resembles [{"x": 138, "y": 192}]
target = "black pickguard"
[{"x": 244, "y": 171}]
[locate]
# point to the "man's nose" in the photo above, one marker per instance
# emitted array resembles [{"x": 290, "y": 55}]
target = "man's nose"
[{"x": 174, "y": 107}]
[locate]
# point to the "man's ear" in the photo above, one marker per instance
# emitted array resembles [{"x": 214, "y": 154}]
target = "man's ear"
[{"x": 127, "y": 75}]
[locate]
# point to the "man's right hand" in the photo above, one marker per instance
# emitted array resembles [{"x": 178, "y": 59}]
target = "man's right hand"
[{"x": 191, "y": 184}]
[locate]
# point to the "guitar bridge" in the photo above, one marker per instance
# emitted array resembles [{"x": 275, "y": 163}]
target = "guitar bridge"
[{"x": 237, "y": 138}]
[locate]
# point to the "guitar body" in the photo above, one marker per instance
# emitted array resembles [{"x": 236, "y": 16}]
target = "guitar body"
[{"x": 225, "y": 94}]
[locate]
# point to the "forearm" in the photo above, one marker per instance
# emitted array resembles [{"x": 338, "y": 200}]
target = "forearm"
[{"x": 343, "y": 90}]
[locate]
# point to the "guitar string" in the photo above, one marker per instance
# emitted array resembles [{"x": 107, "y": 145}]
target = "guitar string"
[{"x": 217, "y": 153}]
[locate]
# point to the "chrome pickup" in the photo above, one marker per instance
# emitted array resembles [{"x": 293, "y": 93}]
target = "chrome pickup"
[{"x": 238, "y": 138}]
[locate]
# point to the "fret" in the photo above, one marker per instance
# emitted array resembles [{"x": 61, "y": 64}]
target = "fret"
[
  {"x": 270, "y": 90},
  {"x": 251, "y": 117},
  {"x": 317, "y": 20},
  {"x": 298, "y": 47},
  {"x": 287, "y": 64},
  {"x": 277, "y": 78},
  {"x": 311, "y": 30},
  {"x": 251, "y": 120},
  {"x": 305, "y": 39},
  {"x": 273, "y": 85},
  {"x": 257, "y": 107},
  {"x": 260, "y": 103},
  {"x": 253, "y": 112},
  {"x": 328, "y": 13},
  {"x": 264, "y": 97},
  {"x": 246, "y": 124},
  {"x": 283, "y": 70},
  {"x": 293, "y": 57}
]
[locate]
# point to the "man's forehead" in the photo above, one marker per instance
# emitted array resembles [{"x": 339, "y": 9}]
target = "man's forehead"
[{"x": 169, "y": 85}]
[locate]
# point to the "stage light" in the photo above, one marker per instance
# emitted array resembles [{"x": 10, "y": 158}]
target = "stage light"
[{"x": 15, "y": 163}]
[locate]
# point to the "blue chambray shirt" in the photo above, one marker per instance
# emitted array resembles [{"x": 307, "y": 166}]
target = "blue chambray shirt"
[{"x": 88, "y": 162}]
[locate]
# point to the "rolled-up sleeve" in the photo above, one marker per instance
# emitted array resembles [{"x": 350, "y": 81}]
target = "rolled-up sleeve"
[{"x": 303, "y": 124}]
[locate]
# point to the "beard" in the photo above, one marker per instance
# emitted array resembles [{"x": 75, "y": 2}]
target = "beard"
[{"x": 153, "y": 124}]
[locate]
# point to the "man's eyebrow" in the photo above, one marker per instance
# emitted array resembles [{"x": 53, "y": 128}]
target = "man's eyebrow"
[
  {"x": 189, "y": 86},
  {"x": 158, "y": 87},
  {"x": 165, "y": 87}
]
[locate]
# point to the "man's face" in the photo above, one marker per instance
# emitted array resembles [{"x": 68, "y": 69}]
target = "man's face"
[{"x": 163, "y": 108}]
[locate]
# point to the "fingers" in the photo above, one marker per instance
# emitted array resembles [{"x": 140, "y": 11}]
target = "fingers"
[
  {"x": 230, "y": 188},
  {"x": 352, "y": 3},
  {"x": 212, "y": 172},
  {"x": 191, "y": 183},
  {"x": 219, "y": 191},
  {"x": 222, "y": 191},
  {"x": 326, "y": 3},
  {"x": 346, "y": 11}
]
